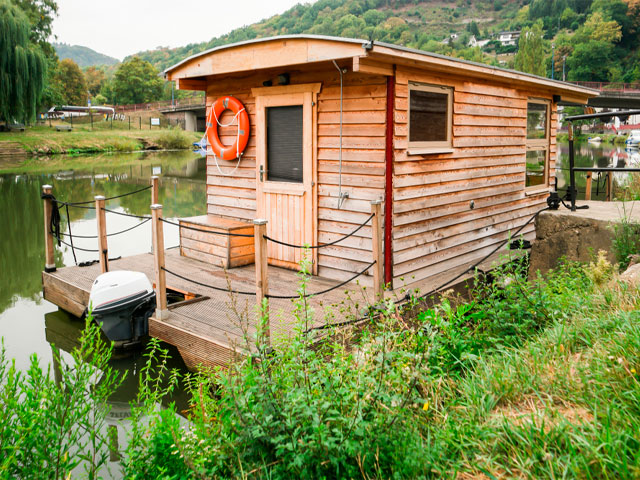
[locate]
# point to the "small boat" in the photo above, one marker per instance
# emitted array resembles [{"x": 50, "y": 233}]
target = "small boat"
[
  {"x": 121, "y": 303},
  {"x": 594, "y": 140},
  {"x": 633, "y": 140}
]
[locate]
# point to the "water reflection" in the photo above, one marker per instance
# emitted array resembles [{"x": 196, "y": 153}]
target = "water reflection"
[{"x": 596, "y": 155}]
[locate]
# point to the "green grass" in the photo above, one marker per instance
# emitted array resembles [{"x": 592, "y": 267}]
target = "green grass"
[
  {"x": 532, "y": 379},
  {"x": 45, "y": 140}
]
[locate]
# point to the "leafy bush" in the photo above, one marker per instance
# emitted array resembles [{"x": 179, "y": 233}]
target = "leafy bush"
[
  {"x": 174, "y": 139},
  {"x": 301, "y": 410},
  {"x": 50, "y": 426}
]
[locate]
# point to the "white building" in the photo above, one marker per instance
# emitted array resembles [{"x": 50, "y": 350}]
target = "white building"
[{"x": 508, "y": 38}]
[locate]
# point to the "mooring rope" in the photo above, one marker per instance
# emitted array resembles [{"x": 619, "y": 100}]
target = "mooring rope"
[
  {"x": 322, "y": 292},
  {"x": 279, "y": 242},
  {"x": 207, "y": 285}
]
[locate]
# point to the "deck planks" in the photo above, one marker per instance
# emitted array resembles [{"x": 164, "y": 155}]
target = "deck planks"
[{"x": 211, "y": 332}]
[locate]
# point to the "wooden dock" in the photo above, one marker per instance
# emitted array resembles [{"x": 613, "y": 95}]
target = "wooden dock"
[{"x": 213, "y": 331}]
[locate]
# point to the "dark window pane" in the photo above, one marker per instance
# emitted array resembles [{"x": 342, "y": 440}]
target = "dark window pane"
[
  {"x": 428, "y": 116},
  {"x": 536, "y": 120},
  {"x": 284, "y": 144}
]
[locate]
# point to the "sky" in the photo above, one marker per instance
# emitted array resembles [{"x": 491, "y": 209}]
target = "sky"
[{"x": 122, "y": 27}]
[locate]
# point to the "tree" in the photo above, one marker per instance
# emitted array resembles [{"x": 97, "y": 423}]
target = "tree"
[
  {"x": 73, "y": 86},
  {"x": 597, "y": 28},
  {"x": 22, "y": 66},
  {"x": 136, "y": 81},
  {"x": 40, "y": 14},
  {"x": 95, "y": 78},
  {"x": 590, "y": 61},
  {"x": 531, "y": 50}
]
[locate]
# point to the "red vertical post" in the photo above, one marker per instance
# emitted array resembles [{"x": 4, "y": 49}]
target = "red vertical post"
[{"x": 388, "y": 187}]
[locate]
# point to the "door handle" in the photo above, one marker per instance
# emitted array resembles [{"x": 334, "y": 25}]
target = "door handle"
[{"x": 262, "y": 173}]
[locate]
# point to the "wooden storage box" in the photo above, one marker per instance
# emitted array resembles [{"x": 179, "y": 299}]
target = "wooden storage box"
[{"x": 224, "y": 250}]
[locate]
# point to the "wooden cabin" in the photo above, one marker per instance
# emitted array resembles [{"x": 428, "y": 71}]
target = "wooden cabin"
[{"x": 460, "y": 153}]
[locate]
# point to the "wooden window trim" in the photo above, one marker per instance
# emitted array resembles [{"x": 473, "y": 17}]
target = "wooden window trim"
[
  {"x": 539, "y": 144},
  {"x": 435, "y": 147}
]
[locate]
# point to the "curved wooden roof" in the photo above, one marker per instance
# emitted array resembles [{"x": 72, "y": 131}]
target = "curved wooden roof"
[{"x": 367, "y": 57}]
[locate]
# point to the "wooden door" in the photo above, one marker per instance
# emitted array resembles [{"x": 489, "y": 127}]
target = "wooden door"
[{"x": 285, "y": 169}]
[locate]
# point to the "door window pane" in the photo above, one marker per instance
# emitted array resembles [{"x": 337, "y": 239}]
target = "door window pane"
[{"x": 284, "y": 144}]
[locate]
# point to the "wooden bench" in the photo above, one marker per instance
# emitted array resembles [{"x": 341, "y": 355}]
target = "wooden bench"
[
  {"x": 221, "y": 250},
  {"x": 64, "y": 128}
]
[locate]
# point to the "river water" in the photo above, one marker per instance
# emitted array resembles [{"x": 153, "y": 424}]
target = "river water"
[{"x": 29, "y": 324}]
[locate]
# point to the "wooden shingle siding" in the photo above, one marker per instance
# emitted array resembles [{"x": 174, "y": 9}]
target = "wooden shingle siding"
[
  {"x": 434, "y": 227},
  {"x": 363, "y": 167}
]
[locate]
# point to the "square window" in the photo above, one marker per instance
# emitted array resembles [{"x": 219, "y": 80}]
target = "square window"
[{"x": 429, "y": 116}]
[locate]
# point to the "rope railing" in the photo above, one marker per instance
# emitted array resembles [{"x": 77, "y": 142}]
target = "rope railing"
[
  {"x": 53, "y": 220},
  {"x": 326, "y": 290},
  {"x": 139, "y": 217},
  {"x": 195, "y": 229},
  {"x": 219, "y": 289},
  {"x": 88, "y": 202},
  {"x": 108, "y": 234},
  {"x": 279, "y": 242}
]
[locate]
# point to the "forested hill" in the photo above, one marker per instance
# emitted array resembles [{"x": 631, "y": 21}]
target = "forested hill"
[
  {"x": 406, "y": 22},
  {"x": 582, "y": 39},
  {"x": 83, "y": 56}
]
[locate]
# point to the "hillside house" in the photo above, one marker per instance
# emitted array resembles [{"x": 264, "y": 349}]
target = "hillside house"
[{"x": 508, "y": 38}]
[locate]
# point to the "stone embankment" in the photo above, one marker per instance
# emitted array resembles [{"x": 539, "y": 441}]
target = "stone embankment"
[{"x": 578, "y": 235}]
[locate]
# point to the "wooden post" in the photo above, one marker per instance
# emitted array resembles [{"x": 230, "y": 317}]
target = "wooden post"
[
  {"x": 103, "y": 249},
  {"x": 158, "y": 252},
  {"x": 376, "y": 238},
  {"x": 609, "y": 186},
  {"x": 587, "y": 193},
  {"x": 262, "y": 282},
  {"x": 154, "y": 190},
  {"x": 49, "y": 259}
]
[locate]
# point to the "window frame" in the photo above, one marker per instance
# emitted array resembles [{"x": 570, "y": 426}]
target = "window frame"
[
  {"x": 539, "y": 144},
  {"x": 438, "y": 145}
]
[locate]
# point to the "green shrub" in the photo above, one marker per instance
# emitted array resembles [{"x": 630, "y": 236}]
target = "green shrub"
[
  {"x": 50, "y": 426},
  {"x": 301, "y": 410},
  {"x": 626, "y": 239},
  {"x": 174, "y": 139}
]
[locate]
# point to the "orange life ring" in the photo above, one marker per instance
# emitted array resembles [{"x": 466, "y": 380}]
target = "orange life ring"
[{"x": 233, "y": 151}]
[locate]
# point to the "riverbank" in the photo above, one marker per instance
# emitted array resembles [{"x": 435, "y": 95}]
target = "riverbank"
[
  {"x": 43, "y": 140},
  {"x": 609, "y": 138}
]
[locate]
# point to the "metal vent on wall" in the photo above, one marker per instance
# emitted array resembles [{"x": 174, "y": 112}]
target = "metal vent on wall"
[{"x": 284, "y": 144}]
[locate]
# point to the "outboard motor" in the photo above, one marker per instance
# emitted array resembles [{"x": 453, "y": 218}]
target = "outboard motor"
[{"x": 122, "y": 302}]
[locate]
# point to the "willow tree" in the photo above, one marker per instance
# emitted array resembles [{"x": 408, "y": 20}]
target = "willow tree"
[{"x": 22, "y": 66}]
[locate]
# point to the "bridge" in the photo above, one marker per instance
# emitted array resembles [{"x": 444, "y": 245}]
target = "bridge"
[
  {"x": 614, "y": 94},
  {"x": 191, "y": 110}
]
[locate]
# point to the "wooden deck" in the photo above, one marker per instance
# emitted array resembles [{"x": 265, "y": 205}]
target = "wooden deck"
[{"x": 215, "y": 330}]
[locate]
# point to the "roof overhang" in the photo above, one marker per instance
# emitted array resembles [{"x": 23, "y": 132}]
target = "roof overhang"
[{"x": 366, "y": 57}]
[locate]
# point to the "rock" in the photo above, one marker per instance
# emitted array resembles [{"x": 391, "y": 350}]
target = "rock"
[{"x": 631, "y": 275}]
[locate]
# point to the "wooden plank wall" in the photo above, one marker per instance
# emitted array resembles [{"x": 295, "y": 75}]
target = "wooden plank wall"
[
  {"x": 364, "y": 98},
  {"x": 434, "y": 228}
]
